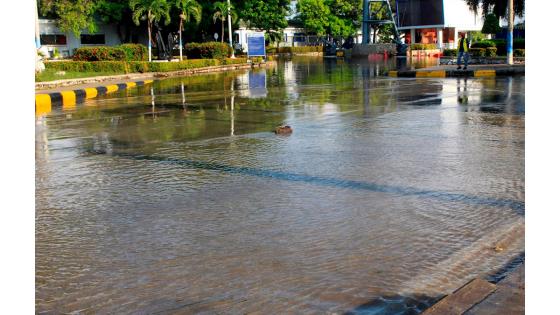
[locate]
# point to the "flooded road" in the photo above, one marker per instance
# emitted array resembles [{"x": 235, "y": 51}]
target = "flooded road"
[{"x": 177, "y": 197}]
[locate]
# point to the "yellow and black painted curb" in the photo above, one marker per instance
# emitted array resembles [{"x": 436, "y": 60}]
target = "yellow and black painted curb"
[
  {"x": 456, "y": 73},
  {"x": 45, "y": 102}
]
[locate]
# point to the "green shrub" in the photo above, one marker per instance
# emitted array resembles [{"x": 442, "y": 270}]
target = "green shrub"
[
  {"x": 271, "y": 50},
  {"x": 307, "y": 49},
  {"x": 491, "y": 51},
  {"x": 87, "y": 66},
  {"x": 423, "y": 46},
  {"x": 99, "y": 53},
  {"x": 134, "y": 52},
  {"x": 236, "y": 61},
  {"x": 210, "y": 50},
  {"x": 478, "y": 52},
  {"x": 519, "y": 52},
  {"x": 483, "y": 44},
  {"x": 138, "y": 66},
  {"x": 518, "y": 43},
  {"x": 182, "y": 65},
  {"x": 450, "y": 52},
  {"x": 296, "y": 50}
]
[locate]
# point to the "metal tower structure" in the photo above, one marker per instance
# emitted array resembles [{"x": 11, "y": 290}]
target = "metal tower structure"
[{"x": 370, "y": 18}]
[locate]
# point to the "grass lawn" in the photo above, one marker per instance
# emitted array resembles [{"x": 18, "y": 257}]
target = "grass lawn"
[{"x": 49, "y": 75}]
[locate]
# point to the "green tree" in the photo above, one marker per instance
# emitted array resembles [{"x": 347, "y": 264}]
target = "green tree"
[
  {"x": 151, "y": 10},
  {"x": 117, "y": 12},
  {"x": 221, "y": 13},
  {"x": 497, "y": 7},
  {"x": 491, "y": 24},
  {"x": 71, "y": 15},
  {"x": 339, "y": 18},
  {"x": 314, "y": 15},
  {"x": 269, "y": 15},
  {"x": 189, "y": 9}
]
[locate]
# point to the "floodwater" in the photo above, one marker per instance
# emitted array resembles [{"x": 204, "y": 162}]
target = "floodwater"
[{"x": 177, "y": 197}]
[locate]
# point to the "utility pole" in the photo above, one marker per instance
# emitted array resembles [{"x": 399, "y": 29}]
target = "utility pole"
[
  {"x": 509, "y": 44},
  {"x": 37, "y": 35},
  {"x": 229, "y": 28}
]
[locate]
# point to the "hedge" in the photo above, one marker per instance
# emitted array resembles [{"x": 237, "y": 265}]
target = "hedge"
[
  {"x": 477, "y": 52},
  {"x": 87, "y": 66},
  {"x": 423, "y": 46},
  {"x": 484, "y": 44},
  {"x": 294, "y": 50},
  {"x": 210, "y": 50},
  {"x": 125, "y": 52},
  {"x": 99, "y": 53},
  {"x": 491, "y": 52},
  {"x": 450, "y": 52},
  {"x": 138, "y": 66},
  {"x": 134, "y": 52},
  {"x": 518, "y": 43},
  {"x": 519, "y": 52}
]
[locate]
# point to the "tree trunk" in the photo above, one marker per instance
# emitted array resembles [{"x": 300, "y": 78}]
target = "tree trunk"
[
  {"x": 222, "y": 30},
  {"x": 149, "y": 41},
  {"x": 181, "y": 40}
]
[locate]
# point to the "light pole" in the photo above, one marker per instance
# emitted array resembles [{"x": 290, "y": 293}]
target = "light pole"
[
  {"x": 229, "y": 28},
  {"x": 510, "y": 33}
]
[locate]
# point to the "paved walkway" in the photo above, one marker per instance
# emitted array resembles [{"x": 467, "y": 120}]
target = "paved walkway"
[
  {"x": 443, "y": 71},
  {"x": 480, "y": 297}
]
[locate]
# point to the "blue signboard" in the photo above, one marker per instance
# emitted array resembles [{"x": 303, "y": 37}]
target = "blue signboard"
[{"x": 256, "y": 45}]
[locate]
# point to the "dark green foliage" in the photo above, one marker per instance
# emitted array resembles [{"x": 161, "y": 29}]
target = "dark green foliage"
[
  {"x": 208, "y": 50},
  {"x": 497, "y": 7},
  {"x": 491, "y": 52},
  {"x": 294, "y": 50},
  {"x": 518, "y": 43},
  {"x": 423, "y": 46},
  {"x": 519, "y": 52},
  {"x": 99, "y": 53},
  {"x": 450, "y": 52},
  {"x": 86, "y": 66},
  {"x": 267, "y": 15},
  {"x": 477, "y": 52},
  {"x": 484, "y": 44},
  {"x": 491, "y": 24},
  {"x": 134, "y": 52},
  {"x": 138, "y": 66}
]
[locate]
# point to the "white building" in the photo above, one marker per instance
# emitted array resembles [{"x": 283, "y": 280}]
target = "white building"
[
  {"x": 436, "y": 21},
  {"x": 65, "y": 42}
]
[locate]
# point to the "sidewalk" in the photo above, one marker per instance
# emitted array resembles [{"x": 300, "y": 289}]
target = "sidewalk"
[
  {"x": 444, "y": 71},
  {"x": 480, "y": 297}
]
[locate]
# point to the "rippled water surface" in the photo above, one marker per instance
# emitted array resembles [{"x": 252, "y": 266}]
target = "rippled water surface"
[{"x": 176, "y": 197}]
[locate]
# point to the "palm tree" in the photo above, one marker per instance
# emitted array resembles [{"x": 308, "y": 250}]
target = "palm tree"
[
  {"x": 500, "y": 9},
  {"x": 152, "y": 10},
  {"x": 222, "y": 13},
  {"x": 189, "y": 9}
]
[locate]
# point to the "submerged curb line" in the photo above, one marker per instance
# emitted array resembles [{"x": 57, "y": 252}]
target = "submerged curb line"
[
  {"x": 455, "y": 73},
  {"x": 45, "y": 102}
]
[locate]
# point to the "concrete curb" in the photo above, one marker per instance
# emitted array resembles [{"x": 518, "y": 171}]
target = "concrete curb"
[
  {"x": 456, "y": 73},
  {"x": 44, "y": 102}
]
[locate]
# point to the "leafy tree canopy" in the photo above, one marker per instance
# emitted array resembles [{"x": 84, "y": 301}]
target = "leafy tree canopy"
[
  {"x": 269, "y": 15},
  {"x": 333, "y": 17},
  {"x": 497, "y": 7},
  {"x": 73, "y": 15}
]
